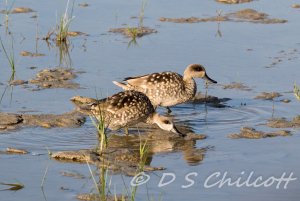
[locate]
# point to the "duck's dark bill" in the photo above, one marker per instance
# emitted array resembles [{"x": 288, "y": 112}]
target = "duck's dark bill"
[
  {"x": 209, "y": 79},
  {"x": 175, "y": 130}
]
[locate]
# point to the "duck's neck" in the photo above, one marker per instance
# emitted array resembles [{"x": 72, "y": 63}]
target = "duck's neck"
[
  {"x": 190, "y": 87},
  {"x": 151, "y": 118}
]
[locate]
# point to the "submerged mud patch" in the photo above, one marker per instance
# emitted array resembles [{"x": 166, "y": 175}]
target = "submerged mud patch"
[
  {"x": 133, "y": 32},
  {"x": 268, "y": 95},
  {"x": 30, "y": 54},
  {"x": 296, "y": 6},
  {"x": 283, "y": 56},
  {"x": 11, "y": 150},
  {"x": 17, "y": 10},
  {"x": 251, "y": 133},
  {"x": 284, "y": 123},
  {"x": 237, "y": 85},
  {"x": 17, "y": 82},
  {"x": 194, "y": 19},
  {"x": 76, "y": 33},
  {"x": 212, "y": 101},
  {"x": 245, "y": 15},
  {"x": 55, "y": 78},
  {"x": 10, "y": 121},
  {"x": 233, "y": 1}
]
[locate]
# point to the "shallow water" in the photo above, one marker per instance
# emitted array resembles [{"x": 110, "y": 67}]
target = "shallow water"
[{"x": 106, "y": 57}]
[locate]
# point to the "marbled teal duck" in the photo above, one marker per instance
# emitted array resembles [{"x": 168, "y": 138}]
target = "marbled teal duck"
[
  {"x": 128, "y": 108},
  {"x": 167, "y": 88}
]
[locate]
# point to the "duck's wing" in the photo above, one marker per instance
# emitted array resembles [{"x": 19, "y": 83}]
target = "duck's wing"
[
  {"x": 122, "y": 101},
  {"x": 152, "y": 80}
]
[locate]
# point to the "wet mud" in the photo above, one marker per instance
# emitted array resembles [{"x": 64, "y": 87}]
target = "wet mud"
[
  {"x": 251, "y": 133},
  {"x": 17, "y": 82},
  {"x": 30, "y": 54},
  {"x": 284, "y": 123},
  {"x": 11, "y": 150},
  {"x": 72, "y": 174},
  {"x": 55, "y": 78},
  {"x": 83, "y": 5},
  {"x": 10, "y": 121},
  {"x": 17, "y": 10},
  {"x": 268, "y": 95},
  {"x": 296, "y": 6},
  {"x": 76, "y": 33},
  {"x": 237, "y": 85},
  {"x": 245, "y": 15}
]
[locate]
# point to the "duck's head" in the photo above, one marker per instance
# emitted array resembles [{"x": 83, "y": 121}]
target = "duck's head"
[
  {"x": 166, "y": 123},
  {"x": 197, "y": 71}
]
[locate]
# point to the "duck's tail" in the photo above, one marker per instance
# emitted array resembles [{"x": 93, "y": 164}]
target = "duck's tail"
[{"x": 122, "y": 85}]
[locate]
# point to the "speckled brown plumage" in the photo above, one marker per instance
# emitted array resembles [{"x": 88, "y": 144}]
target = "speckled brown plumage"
[
  {"x": 124, "y": 109},
  {"x": 167, "y": 88}
]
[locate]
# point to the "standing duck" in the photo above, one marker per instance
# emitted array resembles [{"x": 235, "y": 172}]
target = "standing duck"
[
  {"x": 167, "y": 88},
  {"x": 128, "y": 108}
]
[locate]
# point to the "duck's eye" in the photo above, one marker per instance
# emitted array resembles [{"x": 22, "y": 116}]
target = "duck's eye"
[
  {"x": 167, "y": 122},
  {"x": 198, "y": 69}
]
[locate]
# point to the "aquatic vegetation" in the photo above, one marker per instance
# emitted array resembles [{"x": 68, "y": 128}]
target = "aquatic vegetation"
[
  {"x": 101, "y": 127},
  {"x": 142, "y": 13},
  {"x": 138, "y": 31},
  {"x": 63, "y": 26},
  {"x": 297, "y": 91},
  {"x": 143, "y": 151},
  {"x": 12, "y": 186},
  {"x": 10, "y": 56},
  {"x": 7, "y": 12}
]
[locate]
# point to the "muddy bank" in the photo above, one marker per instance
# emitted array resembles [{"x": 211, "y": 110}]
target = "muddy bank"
[
  {"x": 284, "y": 123},
  {"x": 245, "y": 15},
  {"x": 251, "y": 133},
  {"x": 133, "y": 32},
  {"x": 10, "y": 121}
]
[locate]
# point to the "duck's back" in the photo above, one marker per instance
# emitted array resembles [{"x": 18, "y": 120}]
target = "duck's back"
[
  {"x": 124, "y": 108},
  {"x": 165, "y": 89}
]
